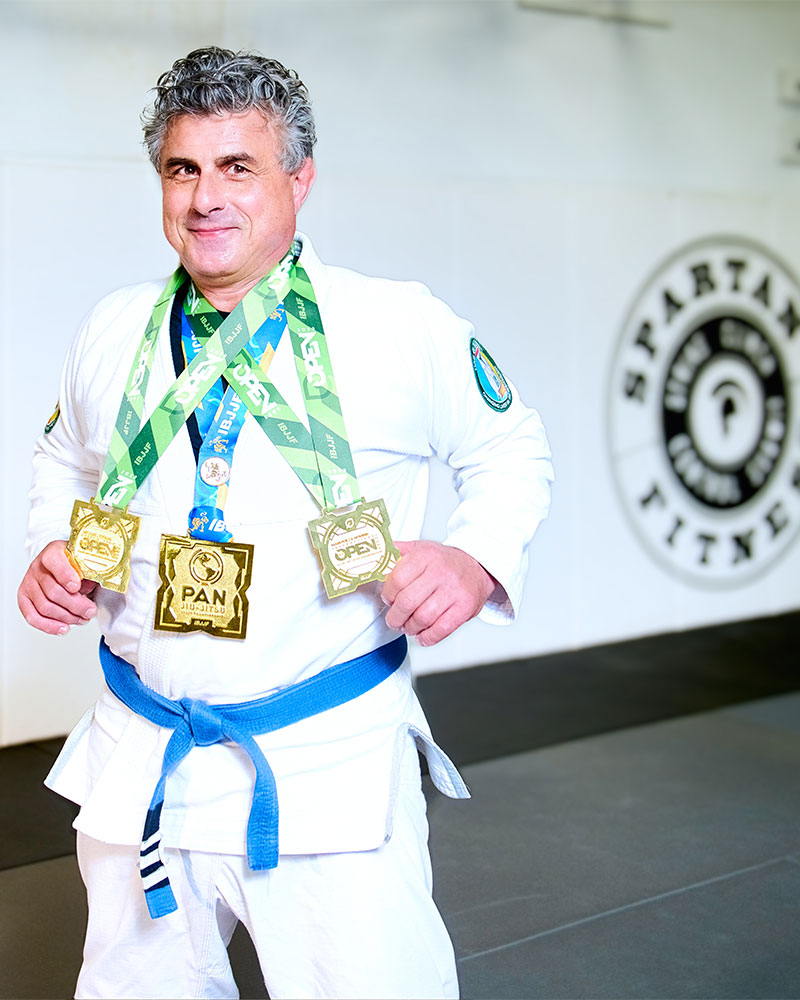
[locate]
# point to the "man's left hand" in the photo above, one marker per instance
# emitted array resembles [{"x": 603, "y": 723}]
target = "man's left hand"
[{"x": 433, "y": 590}]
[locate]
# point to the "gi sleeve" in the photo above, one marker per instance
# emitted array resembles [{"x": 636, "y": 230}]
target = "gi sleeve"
[
  {"x": 499, "y": 454},
  {"x": 65, "y": 468}
]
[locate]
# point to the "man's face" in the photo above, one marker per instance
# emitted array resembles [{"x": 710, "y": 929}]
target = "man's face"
[{"x": 229, "y": 207}]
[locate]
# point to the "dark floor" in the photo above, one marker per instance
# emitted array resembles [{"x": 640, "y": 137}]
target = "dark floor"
[{"x": 633, "y": 831}]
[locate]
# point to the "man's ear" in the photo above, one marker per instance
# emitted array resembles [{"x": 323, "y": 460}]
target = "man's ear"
[{"x": 303, "y": 180}]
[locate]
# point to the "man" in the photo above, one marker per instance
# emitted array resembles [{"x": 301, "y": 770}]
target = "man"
[{"x": 210, "y": 674}]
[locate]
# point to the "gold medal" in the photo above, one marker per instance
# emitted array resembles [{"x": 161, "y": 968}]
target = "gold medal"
[
  {"x": 354, "y": 546},
  {"x": 203, "y": 586},
  {"x": 101, "y": 542}
]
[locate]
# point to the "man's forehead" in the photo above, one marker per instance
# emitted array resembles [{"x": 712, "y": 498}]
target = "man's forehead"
[{"x": 219, "y": 129}]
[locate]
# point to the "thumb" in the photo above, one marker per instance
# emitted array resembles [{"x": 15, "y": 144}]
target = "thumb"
[{"x": 405, "y": 547}]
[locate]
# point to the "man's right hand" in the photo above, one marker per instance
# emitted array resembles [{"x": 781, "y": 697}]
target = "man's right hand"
[{"x": 52, "y": 596}]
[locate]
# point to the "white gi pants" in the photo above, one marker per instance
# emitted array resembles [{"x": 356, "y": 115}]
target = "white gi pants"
[{"x": 360, "y": 925}]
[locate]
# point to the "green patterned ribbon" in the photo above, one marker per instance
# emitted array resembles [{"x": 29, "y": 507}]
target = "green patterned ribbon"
[
  {"x": 134, "y": 451},
  {"x": 321, "y": 458},
  {"x": 129, "y": 418}
]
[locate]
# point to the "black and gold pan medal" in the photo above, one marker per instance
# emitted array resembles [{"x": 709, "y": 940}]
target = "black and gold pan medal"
[
  {"x": 100, "y": 543},
  {"x": 203, "y": 586},
  {"x": 354, "y": 546}
]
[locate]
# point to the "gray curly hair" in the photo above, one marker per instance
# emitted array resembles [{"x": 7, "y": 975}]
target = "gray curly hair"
[{"x": 219, "y": 81}]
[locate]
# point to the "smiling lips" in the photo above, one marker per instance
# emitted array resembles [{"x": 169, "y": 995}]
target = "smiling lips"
[
  {"x": 215, "y": 224},
  {"x": 209, "y": 231}
]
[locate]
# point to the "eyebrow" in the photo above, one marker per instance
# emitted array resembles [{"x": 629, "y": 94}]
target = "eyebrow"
[{"x": 222, "y": 161}]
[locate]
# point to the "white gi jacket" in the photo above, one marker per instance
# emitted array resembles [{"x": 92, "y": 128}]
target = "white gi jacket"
[{"x": 402, "y": 365}]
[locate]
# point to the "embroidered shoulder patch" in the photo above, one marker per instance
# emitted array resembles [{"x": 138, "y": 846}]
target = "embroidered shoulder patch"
[
  {"x": 54, "y": 419},
  {"x": 490, "y": 379}
]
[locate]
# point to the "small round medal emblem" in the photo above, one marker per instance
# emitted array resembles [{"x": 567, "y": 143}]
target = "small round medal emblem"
[{"x": 215, "y": 472}]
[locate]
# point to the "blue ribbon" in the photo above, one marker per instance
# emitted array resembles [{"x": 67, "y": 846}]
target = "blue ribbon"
[
  {"x": 220, "y": 418},
  {"x": 196, "y": 723}
]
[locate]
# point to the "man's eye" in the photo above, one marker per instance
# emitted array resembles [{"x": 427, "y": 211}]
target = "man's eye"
[{"x": 238, "y": 168}]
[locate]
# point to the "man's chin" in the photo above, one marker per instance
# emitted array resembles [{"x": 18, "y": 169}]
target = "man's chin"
[{"x": 213, "y": 273}]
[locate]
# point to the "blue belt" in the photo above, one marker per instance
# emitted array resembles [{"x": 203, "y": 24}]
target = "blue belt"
[{"x": 196, "y": 723}]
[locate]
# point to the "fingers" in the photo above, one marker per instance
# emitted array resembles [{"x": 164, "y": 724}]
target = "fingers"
[
  {"x": 433, "y": 590},
  {"x": 53, "y": 601},
  {"x": 54, "y": 560},
  {"x": 42, "y": 601},
  {"x": 433, "y": 621},
  {"x": 411, "y": 598},
  {"x": 406, "y": 570},
  {"x": 63, "y": 587},
  {"x": 444, "y": 626},
  {"x": 49, "y": 625},
  {"x": 52, "y": 596},
  {"x": 432, "y": 618}
]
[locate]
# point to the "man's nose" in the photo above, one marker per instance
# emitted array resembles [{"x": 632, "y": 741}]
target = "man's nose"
[{"x": 209, "y": 193}]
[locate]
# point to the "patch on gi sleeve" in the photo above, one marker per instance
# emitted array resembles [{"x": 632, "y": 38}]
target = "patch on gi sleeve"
[
  {"x": 54, "y": 419},
  {"x": 490, "y": 379}
]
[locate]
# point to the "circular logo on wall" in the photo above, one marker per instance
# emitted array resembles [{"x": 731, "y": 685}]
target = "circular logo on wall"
[{"x": 704, "y": 412}]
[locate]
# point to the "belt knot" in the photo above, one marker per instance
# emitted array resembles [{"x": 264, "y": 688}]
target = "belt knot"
[{"x": 204, "y": 723}]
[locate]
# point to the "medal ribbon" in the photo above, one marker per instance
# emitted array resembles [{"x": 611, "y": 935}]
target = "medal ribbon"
[
  {"x": 128, "y": 464},
  {"x": 220, "y": 431},
  {"x": 129, "y": 418},
  {"x": 320, "y": 455}
]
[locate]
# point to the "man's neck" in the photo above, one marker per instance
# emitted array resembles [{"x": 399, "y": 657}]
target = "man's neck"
[{"x": 225, "y": 298}]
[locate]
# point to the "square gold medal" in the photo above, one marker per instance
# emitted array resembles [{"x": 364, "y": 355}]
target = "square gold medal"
[
  {"x": 100, "y": 544},
  {"x": 203, "y": 586},
  {"x": 354, "y": 546}
]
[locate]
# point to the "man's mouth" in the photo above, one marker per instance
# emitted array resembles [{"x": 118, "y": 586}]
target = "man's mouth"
[{"x": 210, "y": 230}]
